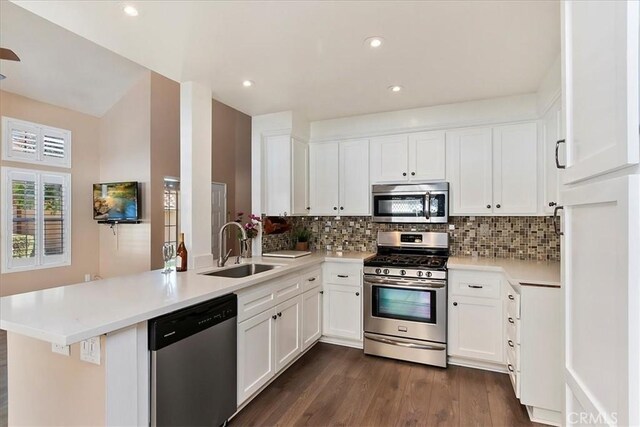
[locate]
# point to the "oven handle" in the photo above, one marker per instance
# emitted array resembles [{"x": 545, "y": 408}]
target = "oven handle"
[
  {"x": 427, "y": 205},
  {"x": 391, "y": 283},
  {"x": 403, "y": 344}
]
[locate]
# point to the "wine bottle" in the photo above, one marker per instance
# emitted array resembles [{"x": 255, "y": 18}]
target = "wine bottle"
[{"x": 181, "y": 255}]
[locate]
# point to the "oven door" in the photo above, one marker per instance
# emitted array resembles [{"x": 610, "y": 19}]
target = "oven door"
[{"x": 410, "y": 308}]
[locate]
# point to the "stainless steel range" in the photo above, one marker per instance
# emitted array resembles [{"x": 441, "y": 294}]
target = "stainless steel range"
[{"x": 405, "y": 297}]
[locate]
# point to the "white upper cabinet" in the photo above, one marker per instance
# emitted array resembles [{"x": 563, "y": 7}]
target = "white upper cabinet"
[
  {"x": 408, "y": 157},
  {"x": 324, "y": 181},
  {"x": 469, "y": 171},
  {"x": 389, "y": 159},
  {"x": 300, "y": 203},
  {"x": 339, "y": 173},
  {"x": 515, "y": 169},
  {"x": 355, "y": 193},
  {"x": 493, "y": 171},
  {"x": 285, "y": 176},
  {"x": 600, "y": 73},
  {"x": 427, "y": 156}
]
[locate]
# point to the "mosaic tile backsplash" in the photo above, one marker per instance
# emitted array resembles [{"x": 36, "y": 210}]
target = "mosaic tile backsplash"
[{"x": 530, "y": 237}]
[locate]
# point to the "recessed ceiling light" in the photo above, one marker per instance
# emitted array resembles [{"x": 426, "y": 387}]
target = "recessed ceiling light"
[
  {"x": 130, "y": 10},
  {"x": 395, "y": 88},
  {"x": 247, "y": 83},
  {"x": 374, "y": 42}
]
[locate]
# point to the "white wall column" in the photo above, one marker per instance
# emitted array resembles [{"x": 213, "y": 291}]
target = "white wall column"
[{"x": 195, "y": 172}]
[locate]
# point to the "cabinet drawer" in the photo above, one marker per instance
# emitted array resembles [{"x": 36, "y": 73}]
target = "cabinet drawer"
[
  {"x": 255, "y": 300},
  {"x": 343, "y": 274},
  {"x": 513, "y": 329},
  {"x": 513, "y": 302},
  {"x": 311, "y": 279},
  {"x": 475, "y": 284},
  {"x": 287, "y": 287}
]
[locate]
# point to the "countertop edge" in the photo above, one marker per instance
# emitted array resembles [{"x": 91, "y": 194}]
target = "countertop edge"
[{"x": 496, "y": 267}]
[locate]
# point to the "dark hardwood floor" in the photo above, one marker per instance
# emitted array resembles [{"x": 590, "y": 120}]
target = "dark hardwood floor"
[{"x": 340, "y": 386}]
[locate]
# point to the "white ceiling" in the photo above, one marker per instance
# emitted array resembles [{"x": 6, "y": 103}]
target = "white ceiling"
[
  {"x": 309, "y": 56},
  {"x": 60, "y": 68}
]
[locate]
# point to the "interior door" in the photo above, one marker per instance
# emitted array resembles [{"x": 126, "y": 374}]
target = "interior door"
[
  {"x": 600, "y": 71},
  {"x": 324, "y": 178},
  {"x": 218, "y": 214},
  {"x": 355, "y": 193},
  {"x": 602, "y": 301}
]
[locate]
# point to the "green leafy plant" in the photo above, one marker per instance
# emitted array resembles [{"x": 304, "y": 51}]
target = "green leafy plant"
[{"x": 302, "y": 235}]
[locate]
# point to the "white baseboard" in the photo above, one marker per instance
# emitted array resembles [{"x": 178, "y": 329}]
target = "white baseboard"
[
  {"x": 544, "y": 416},
  {"x": 342, "y": 341},
  {"x": 477, "y": 364}
]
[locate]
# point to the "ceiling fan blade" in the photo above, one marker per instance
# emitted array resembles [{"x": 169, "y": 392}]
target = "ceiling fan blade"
[{"x": 8, "y": 54}]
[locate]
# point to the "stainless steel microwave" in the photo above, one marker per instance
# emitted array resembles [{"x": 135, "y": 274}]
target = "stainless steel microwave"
[{"x": 411, "y": 203}]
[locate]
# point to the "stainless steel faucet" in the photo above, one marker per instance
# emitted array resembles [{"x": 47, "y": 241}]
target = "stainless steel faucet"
[{"x": 222, "y": 259}]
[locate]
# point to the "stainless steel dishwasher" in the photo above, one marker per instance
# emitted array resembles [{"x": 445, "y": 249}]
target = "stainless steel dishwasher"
[{"x": 193, "y": 364}]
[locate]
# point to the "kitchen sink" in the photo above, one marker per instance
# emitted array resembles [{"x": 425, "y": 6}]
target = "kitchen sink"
[{"x": 242, "y": 270}]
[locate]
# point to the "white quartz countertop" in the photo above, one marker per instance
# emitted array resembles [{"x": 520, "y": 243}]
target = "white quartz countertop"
[
  {"x": 518, "y": 272},
  {"x": 69, "y": 314}
]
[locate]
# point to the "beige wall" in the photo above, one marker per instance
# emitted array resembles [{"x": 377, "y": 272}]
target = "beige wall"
[
  {"x": 231, "y": 160},
  {"x": 125, "y": 137},
  {"x": 165, "y": 154},
  {"x": 84, "y": 231},
  {"x": 46, "y": 388}
]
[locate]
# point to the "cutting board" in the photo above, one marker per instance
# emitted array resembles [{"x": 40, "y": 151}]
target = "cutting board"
[{"x": 287, "y": 254}]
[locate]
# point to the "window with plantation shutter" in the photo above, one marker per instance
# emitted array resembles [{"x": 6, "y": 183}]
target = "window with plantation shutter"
[
  {"x": 33, "y": 143},
  {"x": 35, "y": 219}
]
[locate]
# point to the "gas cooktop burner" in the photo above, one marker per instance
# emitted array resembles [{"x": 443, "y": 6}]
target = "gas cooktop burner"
[{"x": 431, "y": 262}]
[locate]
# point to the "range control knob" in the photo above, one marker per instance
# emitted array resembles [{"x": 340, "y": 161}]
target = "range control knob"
[
  {"x": 378, "y": 271},
  {"x": 403, "y": 272},
  {"x": 420, "y": 273},
  {"x": 386, "y": 271},
  {"x": 429, "y": 274}
]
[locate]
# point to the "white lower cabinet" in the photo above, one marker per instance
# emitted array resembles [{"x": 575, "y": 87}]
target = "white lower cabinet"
[
  {"x": 475, "y": 330},
  {"x": 343, "y": 312},
  {"x": 283, "y": 320},
  {"x": 256, "y": 365},
  {"x": 311, "y": 317}
]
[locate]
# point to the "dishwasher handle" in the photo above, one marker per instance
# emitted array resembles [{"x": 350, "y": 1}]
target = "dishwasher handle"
[{"x": 178, "y": 325}]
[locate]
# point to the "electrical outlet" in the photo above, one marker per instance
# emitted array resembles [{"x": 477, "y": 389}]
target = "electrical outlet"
[
  {"x": 60, "y": 349},
  {"x": 452, "y": 227},
  {"x": 90, "y": 350}
]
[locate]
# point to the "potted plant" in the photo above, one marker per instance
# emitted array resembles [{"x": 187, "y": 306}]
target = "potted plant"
[{"x": 302, "y": 237}]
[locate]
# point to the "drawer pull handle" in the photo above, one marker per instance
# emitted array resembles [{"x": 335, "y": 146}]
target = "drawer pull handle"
[
  {"x": 312, "y": 279},
  {"x": 511, "y": 320},
  {"x": 511, "y": 297},
  {"x": 510, "y": 343},
  {"x": 475, "y": 286},
  {"x": 510, "y": 367},
  {"x": 343, "y": 276}
]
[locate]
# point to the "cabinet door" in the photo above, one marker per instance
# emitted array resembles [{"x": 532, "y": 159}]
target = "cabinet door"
[
  {"x": 426, "y": 156},
  {"x": 600, "y": 72},
  {"x": 389, "y": 159},
  {"x": 277, "y": 174},
  {"x": 552, "y": 130},
  {"x": 323, "y": 168},
  {"x": 256, "y": 365},
  {"x": 601, "y": 280},
  {"x": 515, "y": 170},
  {"x": 475, "y": 328},
  {"x": 288, "y": 334},
  {"x": 469, "y": 170},
  {"x": 355, "y": 193},
  {"x": 311, "y": 317},
  {"x": 342, "y": 312},
  {"x": 300, "y": 203}
]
